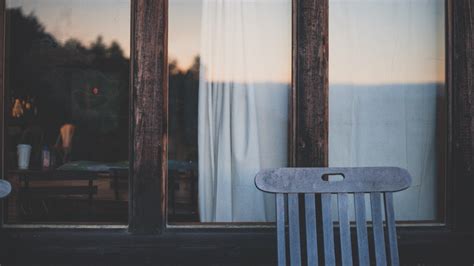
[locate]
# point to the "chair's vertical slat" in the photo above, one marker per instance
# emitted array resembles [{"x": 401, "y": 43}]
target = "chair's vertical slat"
[
  {"x": 293, "y": 213},
  {"x": 311, "y": 235},
  {"x": 328, "y": 234},
  {"x": 344, "y": 228},
  {"x": 380, "y": 257},
  {"x": 362, "y": 241},
  {"x": 280, "y": 206},
  {"x": 392, "y": 231}
]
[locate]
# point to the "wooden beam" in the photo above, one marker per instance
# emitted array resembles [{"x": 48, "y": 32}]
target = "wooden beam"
[
  {"x": 461, "y": 71},
  {"x": 149, "y": 119},
  {"x": 311, "y": 83},
  {"x": 2, "y": 102}
]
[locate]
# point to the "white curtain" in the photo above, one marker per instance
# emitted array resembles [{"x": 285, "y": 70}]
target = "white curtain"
[
  {"x": 386, "y": 75},
  {"x": 242, "y": 125}
]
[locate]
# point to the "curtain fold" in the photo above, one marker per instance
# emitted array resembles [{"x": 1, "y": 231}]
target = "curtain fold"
[
  {"x": 236, "y": 122},
  {"x": 386, "y": 111}
]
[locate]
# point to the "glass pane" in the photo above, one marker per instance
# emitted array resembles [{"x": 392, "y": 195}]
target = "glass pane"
[
  {"x": 230, "y": 72},
  {"x": 387, "y": 94},
  {"x": 66, "y": 108}
]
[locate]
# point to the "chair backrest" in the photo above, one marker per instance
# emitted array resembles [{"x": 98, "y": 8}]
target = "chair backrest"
[{"x": 289, "y": 183}]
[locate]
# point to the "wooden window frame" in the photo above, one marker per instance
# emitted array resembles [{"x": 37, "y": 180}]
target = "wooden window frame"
[{"x": 149, "y": 239}]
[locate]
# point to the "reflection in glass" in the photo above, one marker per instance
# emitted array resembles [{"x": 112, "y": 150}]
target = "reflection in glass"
[
  {"x": 386, "y": 105},
  {"x": 66, "y": 98},
  {"x": 230, "y": 69}
]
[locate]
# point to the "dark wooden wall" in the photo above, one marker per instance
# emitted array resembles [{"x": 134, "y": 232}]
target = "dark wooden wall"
[{"x": 462, "y": 78}]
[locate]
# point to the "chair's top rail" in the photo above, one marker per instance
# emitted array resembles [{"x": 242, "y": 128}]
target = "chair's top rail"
[{"x": 314, "y": 180}]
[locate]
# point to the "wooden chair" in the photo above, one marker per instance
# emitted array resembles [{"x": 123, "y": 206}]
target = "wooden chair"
[{"x": 289, "y": 183}]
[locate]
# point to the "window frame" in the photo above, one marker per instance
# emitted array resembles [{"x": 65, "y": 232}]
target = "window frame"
[{"x": 148, "y": 237}]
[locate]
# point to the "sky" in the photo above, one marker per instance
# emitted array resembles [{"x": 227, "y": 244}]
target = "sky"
[
  {"x": 184, "y": 35},
  {"x": 265, "y": 24},
  {"x": 371, "y": 41},
  {"x": 386, "y": 41},
  {"x": 82, "y": 19}
]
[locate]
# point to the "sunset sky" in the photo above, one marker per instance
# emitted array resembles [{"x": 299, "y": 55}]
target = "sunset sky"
[
  {"x": 272, "y": 32},
  {"x": 371, "y": 41},
  {"x": 82, "y": 19},
  {"x": 386, "y": 41}
]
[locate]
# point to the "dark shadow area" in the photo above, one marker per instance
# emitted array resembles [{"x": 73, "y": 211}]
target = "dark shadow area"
[
  {"x": 70, "y": 100},
  {"x": 182, "y": 142}
]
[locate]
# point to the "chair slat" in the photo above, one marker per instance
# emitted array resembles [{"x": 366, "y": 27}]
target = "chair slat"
[
  {"x": 293, "y": 213},
  {"x": 311, "y": 235},
  {"x": 280, "y": 205},
  {"x": 380, "y": 257},
  {"x": 362, "y": 241},
  {"x": 291, "y": 182},
  {"x": 392, "y": 231},
  {"x": 328, "y": 234},
  {"x": 344, "y": 228}
]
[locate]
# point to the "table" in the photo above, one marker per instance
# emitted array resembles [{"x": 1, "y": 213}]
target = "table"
[{"x": 27, "y": 193}]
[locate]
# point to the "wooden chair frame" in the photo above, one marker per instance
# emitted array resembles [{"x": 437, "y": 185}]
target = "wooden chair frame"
[{"x": 377, "y": 181}]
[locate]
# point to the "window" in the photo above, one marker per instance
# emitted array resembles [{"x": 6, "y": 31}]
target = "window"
[
  {"x": 149, "y": 129},
  {"x": 229, "y": 87},
  {"x": 387, "y": 95},
  {"x": 387, "y": 104},
  {"x": 66, "y": 111}
]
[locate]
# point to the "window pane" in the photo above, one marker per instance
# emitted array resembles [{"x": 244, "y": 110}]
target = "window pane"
[
  {"x": 66, "y": 106},
  {"x": 230, "y": 72},
  {"x": 387, "y": 94}
]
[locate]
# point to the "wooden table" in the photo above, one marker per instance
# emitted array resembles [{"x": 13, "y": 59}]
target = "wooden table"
[{"x": 27, "y": 193}]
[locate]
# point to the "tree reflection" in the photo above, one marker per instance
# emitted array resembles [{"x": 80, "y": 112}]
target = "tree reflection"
[
  {"x": 87, "y": 85},
  {"x": 183, "y": 108}
]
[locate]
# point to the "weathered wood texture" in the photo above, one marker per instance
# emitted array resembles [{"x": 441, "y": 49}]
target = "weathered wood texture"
[
  {"x": 361, "y": 223},
  {"x": 378, "y": 181},
  {"x": 377, "y": 227},
  {"x": 294, "y": 229},
  {"x": 149, "y": 83},
  {"x": 462, "y": 78},
  {"x": 312, "y": 180},
  {"x": 311, "y": 83},
  {"x": 311, "y": 233},
  {"x": 391, "y": 227},
  {"x": 281, "y": 238},
  {"x": 118, "y": 247}
]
